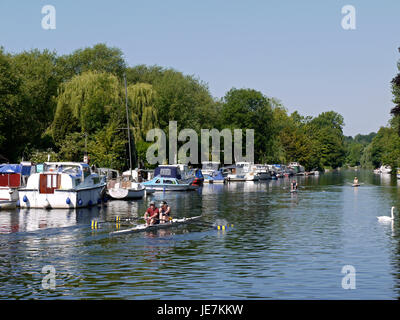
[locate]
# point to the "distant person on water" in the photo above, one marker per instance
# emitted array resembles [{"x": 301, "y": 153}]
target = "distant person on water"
[
  {"x": 355, "y": 181},
  {"x": 152, "y": 214},
  {"x": 165, "y": 212},
  {"x": 294, "y": 185}
]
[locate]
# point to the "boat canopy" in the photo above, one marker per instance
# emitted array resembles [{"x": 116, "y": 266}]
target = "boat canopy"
[
  {"x": 167, "y": 172},
  {"x": 15, "y": 168},
  {"x": 199, "y": 174}
]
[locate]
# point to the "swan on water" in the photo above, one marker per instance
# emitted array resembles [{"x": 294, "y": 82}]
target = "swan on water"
[{"x": 386, "y": 218}]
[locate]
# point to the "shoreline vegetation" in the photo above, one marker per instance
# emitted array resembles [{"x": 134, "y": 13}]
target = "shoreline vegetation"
[{"x": 62, "y": 105}]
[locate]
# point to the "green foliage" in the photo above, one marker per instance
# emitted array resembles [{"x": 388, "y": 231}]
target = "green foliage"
[
  {"x": 86, "y": 100},
  {"x": 107, "y": 147},
  {"x": 141, "y": 98},
  {"x": 180, "y": 98},
  {"x": 50, "y": 102},
  {"x": 385, "y": 148},
  {"x": 250, "y": 109},
  {"x": 100, "y": 58},
  {"x": 9, "y": 111},
  {"x": 40, "y": 156}
]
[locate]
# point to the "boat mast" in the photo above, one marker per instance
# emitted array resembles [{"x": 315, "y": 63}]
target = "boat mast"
[{"x": 127, "y": 122}]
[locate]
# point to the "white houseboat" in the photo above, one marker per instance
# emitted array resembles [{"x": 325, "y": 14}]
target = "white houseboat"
[{"x": 62, "y": 185}]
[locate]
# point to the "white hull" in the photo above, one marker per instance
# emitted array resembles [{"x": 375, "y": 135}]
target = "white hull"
[
  {"x": 171, "y": 188},
  {"x": 235, "y": 177},
  {"x": 9, "y": 194},
  {"x": 7, "y": 204},
  {"x": 66, "y": 199}
]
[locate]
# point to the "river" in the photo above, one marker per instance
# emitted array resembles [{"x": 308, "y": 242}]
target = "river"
[{"x": 281, "y": 245}]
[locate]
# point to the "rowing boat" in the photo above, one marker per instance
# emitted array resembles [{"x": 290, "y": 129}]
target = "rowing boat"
[
  {"x": 145, "y": 227},
  {"x": 355, "y": 185}
]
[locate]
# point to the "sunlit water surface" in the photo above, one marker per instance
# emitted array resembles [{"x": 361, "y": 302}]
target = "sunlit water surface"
[{"x": 282, "y": 246}]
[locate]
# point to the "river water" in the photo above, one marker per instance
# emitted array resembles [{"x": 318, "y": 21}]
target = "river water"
[{"x": 281, "y": 245}]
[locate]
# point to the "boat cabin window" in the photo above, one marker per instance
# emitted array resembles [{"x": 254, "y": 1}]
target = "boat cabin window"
[
  {"x": 167, "y": 181},
  {"x": 158, "y": 181}
]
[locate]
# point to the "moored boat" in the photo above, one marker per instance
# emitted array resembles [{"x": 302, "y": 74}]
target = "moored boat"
[
  {"x": 62, "y": 185},
  {"x": 12, "y": 178},
  {"x": 124, "y": 187},
  {"x": 169, "y": 178}
]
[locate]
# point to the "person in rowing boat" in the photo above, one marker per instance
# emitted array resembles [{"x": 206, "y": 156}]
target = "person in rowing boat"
[
  {"x": 293, "y": 185},
  {"x": 165, "y": 212},
  {"x": 152, "y": 214},
  {"x": 355, "y": 181}
]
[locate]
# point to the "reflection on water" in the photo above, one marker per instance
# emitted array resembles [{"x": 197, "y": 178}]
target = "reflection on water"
[{"x": 282, "y": 245}]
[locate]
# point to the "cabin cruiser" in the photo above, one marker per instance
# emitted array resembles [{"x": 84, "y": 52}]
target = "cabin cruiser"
[
  {"x": 241, "y": 171},
  {"x": 209, "y": 167},
  {"x": 385, "y": 169},
  {"x": 216, "y": 177},
  {"x": 125, "y": 187},
  {"x": 170, "y": 178},
  {"x": 250, "y": 171},
  {"x": 262, "y": 171},
  {"x": 12, "y": 178},
  {"x": 297, "y": 168},
  {"x": 62, "y": 185}
]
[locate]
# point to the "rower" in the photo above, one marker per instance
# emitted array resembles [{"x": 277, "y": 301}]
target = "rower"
[
  {"x": 152, "y": 214},
  {"x": 355, "y": 181},
  {"x": 293, "y": 185},
  {"x": 165, "y": 212}
]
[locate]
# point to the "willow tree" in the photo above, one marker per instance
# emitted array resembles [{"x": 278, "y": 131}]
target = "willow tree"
[
  {"x": 143, "y": 113},
  {"x": 143, "y": 116},
  {"x": 85, "y": 103}
]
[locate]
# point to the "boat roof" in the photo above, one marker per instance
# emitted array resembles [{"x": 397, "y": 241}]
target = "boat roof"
[
  {"x": 24, "y": 170},
  {"x": 82, "y": 164}
]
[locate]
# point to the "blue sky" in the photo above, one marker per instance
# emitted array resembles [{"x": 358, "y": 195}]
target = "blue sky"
[{"x": 295, "y": 51}]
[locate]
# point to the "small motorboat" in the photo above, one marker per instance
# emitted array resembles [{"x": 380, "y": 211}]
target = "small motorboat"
[{"x": 168, "y": 178}]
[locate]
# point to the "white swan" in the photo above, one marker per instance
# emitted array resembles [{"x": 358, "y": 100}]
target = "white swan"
[{"x": 386, "y": 218}]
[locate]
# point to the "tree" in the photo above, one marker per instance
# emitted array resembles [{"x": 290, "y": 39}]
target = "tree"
[
  {"x": 9, "y": 110},
  {"x": 99, "y": 58},
  {"x": 250, "y": 109},
  {"x": 141, "y": 99},
  {"x": 85, "y": 103},
  {"x": 327, "y": 130}
]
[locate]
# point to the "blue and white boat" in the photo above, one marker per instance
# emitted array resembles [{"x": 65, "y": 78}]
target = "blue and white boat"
[
  {"x": 169, "y": 178},
  {"x": 215, "y": 177}
]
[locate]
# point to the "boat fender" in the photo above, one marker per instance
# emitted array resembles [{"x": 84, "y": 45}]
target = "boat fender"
[
  {"x": 25, "y": 198},
  {"x": 90, "y": 203},
  {"x": 80, "y": 202},
  {"x": 68, "y": 201},
  {"x": 18, "y": 203}
]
